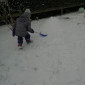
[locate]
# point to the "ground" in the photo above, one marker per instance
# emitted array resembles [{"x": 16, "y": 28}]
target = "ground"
[{"x": 58, "y": 59}]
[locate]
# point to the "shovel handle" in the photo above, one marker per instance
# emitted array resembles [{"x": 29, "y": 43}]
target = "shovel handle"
[{"x": 36, "y": 32}]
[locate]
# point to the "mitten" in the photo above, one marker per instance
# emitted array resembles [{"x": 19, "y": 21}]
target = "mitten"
[
  {"x": 32, "y": 31},
  {"x": 13, "y": 32}
]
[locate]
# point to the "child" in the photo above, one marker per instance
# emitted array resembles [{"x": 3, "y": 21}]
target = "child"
[{"x": 22, "y": 27}]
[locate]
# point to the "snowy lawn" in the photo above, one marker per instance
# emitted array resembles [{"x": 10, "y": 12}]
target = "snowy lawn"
[{"x": 58, "y": 59}]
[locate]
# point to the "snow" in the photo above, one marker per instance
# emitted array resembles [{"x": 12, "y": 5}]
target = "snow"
[{"x": 58, "y": 59}]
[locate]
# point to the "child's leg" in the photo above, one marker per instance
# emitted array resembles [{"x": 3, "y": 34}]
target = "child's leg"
[
  {"x": 27, "y": 38},
  {"x": 20, "y": 41}
]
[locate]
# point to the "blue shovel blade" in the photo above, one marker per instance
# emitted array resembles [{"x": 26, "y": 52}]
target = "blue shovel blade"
[{"x": 44, "y": 35}]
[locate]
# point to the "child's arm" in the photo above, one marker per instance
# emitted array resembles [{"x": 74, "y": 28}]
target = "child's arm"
[
  {"x": 13, "y": 31},
  {"x": 29, "y": 28}
]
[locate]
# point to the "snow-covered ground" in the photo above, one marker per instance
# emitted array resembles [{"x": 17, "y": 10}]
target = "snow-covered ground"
[{"x": 58, "y": 59}]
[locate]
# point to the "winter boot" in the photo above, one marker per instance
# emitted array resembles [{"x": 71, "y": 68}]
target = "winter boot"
[
  {"x": 20, "y": 46},
  {"x": 28, "y": 41}
]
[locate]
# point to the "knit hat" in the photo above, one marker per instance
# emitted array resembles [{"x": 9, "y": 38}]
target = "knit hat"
[{"x": 27, "y": 13}]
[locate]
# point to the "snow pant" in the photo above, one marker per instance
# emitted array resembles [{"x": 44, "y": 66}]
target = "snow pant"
[{"x": 20, "y": 39}]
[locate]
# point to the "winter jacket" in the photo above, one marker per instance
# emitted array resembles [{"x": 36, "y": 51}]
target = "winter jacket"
[{"x": 22, "y": 26}]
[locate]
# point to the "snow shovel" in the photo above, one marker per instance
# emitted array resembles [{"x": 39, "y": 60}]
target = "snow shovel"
[{"x": 41, "y": 34}]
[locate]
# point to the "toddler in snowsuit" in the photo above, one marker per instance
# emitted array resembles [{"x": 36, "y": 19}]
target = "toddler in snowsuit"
[{"x": 22, "y": 27}]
